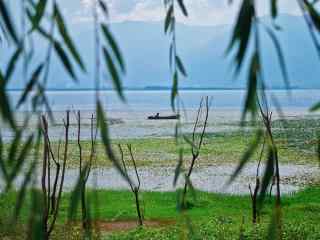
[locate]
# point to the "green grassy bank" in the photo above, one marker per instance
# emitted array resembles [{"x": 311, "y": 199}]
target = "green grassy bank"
[{"x": 212, "y": 216}]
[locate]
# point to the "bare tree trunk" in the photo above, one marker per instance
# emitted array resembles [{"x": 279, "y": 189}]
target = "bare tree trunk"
[
  {"x": 254, "y": 196},
  {"x": 55, "y": 184},
  {"x": 267, "y": 120},
  {"x": 135, "y": 189},
  {"x": 278, "y": 197},
  {"x": 43, "y": 180},
  {"x": 65, "y": 157},
  {"x": 196, "y": 146},
  {"x": 83, "y": 187},
  {"x": 136, "y": 194},
  {"x": 185, "y": 188}
]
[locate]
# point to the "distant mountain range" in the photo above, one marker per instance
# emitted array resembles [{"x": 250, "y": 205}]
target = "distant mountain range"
[{"x": 202, "y": 48}]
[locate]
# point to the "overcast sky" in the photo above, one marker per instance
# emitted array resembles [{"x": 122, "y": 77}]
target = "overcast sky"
[{"x": 201, "y": 12}]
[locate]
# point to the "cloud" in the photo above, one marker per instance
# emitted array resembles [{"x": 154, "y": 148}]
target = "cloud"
[{"x": 201, "y": 12}]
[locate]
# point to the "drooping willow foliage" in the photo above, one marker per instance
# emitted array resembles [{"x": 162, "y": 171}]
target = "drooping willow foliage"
[{"x": 44, "y": 18}]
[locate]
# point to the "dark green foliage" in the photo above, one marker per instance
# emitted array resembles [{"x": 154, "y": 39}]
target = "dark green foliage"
[
  {"x": 113, "y": 72},
  {"x": 274, "y": 8},
  {"x": 30, "y": 85},
  {"x": 64, "y": 60},
  {"x": 242, "y": 30},
  {"x": 39, "y": 12},
  {"x": 248, "y": 154},
  {"x": 175, "y": 63},
  {"x": 102, "y": 123},
  {"x": 104, "y": 7},
  {"x": 7, "y": 23},
  {"x": 12, "y": 64},
  {"x": 252, "y": 86},
  {"x": 280, "y": 55},
  {"x": 113, "y": 45},
  {"x": 66, "y": 37}
]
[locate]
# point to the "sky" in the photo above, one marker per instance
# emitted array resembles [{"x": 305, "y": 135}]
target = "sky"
[{"x": 201, "y": 12}]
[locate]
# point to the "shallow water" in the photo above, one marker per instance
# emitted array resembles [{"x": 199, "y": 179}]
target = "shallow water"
[
  {"x": 131, "y": 117},
  {"x": 210, "y": 179}
]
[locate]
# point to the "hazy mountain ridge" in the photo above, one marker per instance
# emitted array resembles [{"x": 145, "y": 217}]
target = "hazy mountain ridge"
[{"x": 203, "y": 50}]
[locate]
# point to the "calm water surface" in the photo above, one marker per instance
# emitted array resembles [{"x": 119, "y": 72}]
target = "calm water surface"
[
  {"x": 160, "y": 100},
  {"x": 131, "y": 115}
]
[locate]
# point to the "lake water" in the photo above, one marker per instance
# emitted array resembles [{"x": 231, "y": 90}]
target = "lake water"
[
  {"x": 160, "y": 100},
  {"x": 226, "y": 107}
]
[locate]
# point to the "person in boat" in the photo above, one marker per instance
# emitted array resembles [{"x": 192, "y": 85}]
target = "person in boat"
[{"x": 157, "y": 116}]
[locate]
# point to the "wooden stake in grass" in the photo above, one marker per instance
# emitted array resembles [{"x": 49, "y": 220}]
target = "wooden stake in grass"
[
  {"x": 135, "y": 189},
  {"x": 52, "y": 194}
]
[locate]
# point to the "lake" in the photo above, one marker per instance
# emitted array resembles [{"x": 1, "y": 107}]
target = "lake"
[
  {"x": 160, "y": 100},
  {"x": 131, "y": 115}
]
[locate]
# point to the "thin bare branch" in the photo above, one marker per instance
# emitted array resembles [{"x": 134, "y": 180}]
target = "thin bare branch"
[
  {"x": 125, "y": 166},
  {"x": 65, "y": 156},
  {"x": 134, "y": 164}
]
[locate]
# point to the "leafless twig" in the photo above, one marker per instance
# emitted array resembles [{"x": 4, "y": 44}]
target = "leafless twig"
[
  {"x": 52, "y": 196},
  {"x": 135, "y": 189},
  {"x": 196, "y": 146}
]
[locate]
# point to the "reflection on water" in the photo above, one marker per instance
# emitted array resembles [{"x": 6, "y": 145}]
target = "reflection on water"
[{"x": 131, "y": 117}]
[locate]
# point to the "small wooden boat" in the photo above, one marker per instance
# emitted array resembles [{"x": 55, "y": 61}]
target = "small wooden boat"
[{"x": 158, "y": 117}]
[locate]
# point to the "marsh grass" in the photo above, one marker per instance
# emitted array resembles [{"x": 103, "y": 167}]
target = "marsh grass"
[{"x": 296, "y": 140}]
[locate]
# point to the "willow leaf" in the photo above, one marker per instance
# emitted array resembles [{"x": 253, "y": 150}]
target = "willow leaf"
[
  {"x": 274, "y": 8},
  {"x": 174, "y": 90},
  {"x": 40, "y": 10},
  {"x": 75, "y": 195},
  {"x": 247, "y": 155},
  {"x": 315, "y": 107},
  {"x": 104, "y": 132},
  {"x": 178, "y": 168},
  {"x": 280, "y": 55},
  {"x": 268, "y": 174},
  {"x": 181, "y": 66},
  {"x": 242, "y": 31},
  {"x": 2, "y": 160},
  {"x": 23, "y": 190},
  {"x": 168, "y": 19},
  {"x": 183, "y": 7},
  {"x": 64, "y": 59},
  {"x": 250, "y": 101},
  {"x": 66, "y": 37},
  {"x": 26, "y": 148},
  {"x": 32, "y": 82},
  {"x": 113, "y": 44},
  {"x": 8, "y": 22},
  {"x": 5, "y": 106},
  {"x": 315, "y": 17},
  {"x": 104, "y": 7},
  {"x": 114, "y": 73},
  {"x": 13, "y": 150},
  {"x": 12, "y": 63}
]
